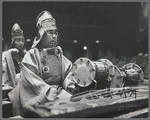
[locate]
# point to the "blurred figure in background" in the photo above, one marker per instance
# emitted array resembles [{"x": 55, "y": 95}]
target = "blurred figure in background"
[
  {"x": 142, "y": 61},
  {"x": 12, "y": 58},
  {"x": 144, "y": 65}
]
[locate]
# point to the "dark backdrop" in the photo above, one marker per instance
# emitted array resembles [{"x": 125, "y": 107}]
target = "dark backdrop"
[{"x": 114, "y": 24}]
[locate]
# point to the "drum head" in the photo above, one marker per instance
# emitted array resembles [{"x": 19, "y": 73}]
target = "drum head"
[
  {"x": 133, "y": 66},
  {"x": 117, "y": 80},
  {"x": 83, "y": 71}
]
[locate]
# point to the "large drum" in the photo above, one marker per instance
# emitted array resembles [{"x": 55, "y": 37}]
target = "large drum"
[
  {"x": 115, "y": 76},
  {"x": 84, "y": 73},
  {"x": 133, "y": 74},
  {"x": 99, "y": 74}
]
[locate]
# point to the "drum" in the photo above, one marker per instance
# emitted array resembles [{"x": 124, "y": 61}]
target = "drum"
[
  {"x": 89, "y": 74},
  {"x": 117, "y": 79},
  {"x": 102, "y": 73},
  {"x": 84, "y": 72},
  {"x": 105, "y": 71},
  {"x": 115, "y": 76},
  {"x": 110, "y": 66},
  {"x": 133, "y": 74},
  {"x": 105, "y": 61},
  {"x": 99, "y": 74}
]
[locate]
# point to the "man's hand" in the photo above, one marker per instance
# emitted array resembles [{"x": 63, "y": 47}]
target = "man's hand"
[
  {"x": 52, "y": 94},
  {"x": 72, "y": 89}
]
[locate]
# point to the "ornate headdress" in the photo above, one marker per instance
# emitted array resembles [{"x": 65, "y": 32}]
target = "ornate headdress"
[
  {"x": 44, "y": 21},
  {"x": 16, "y": 31}
]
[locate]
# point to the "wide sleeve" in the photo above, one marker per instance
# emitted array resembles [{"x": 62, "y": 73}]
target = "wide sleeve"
[
  {"x": 67, "y": 66},
  {"x": 8, "y": 69},
  {"x": 31, "y": 90},
  {"x": 31, "y": 72}
]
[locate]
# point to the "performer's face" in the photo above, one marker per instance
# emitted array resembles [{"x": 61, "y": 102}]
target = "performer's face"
[
  {"x": 19, "y": 42},
  {"x": 52, "y": 37},
  {"x": 51, "y": 34}
]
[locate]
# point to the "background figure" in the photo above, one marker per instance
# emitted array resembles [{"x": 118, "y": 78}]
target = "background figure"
[
  {"x": 44, "y": 68},
  {"x": 12, "y": 58}
]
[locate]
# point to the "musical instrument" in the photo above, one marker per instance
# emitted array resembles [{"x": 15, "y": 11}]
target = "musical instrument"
[
  {"x": 115, "y": 76},
  {"x": 117, "y": 79},
  {"x": 99, "y": 74},
  {"x": 84, "y": 73},
  {"x": 133, "y": 74}
]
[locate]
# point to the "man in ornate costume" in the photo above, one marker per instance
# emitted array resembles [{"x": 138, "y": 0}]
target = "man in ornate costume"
[
  {"x": 44, "y": 69},
  {"x": 12, "y": 58}
]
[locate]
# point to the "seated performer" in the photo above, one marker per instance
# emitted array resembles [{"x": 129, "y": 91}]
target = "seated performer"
[
  {"x": 12, "y": 58},
  {"x": 44, "y": 68}
]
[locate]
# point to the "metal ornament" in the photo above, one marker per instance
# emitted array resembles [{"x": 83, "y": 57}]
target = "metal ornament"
[{"x": 46, "y": 69}]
